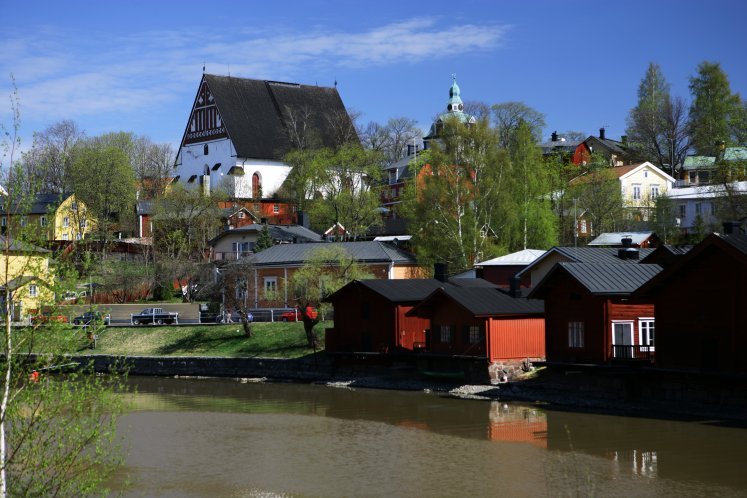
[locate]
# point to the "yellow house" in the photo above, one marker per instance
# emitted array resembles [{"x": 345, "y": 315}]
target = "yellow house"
[
  {"x": 53, "y": 216},
  {"x": 26, "y": 274},
  {"x": 640, "y": 185}
]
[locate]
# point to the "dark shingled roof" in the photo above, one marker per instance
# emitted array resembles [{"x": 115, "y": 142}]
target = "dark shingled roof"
[
  {"x": 41, "y": 204},
  {"x": 481, "y": 301},
  {"x": 20, "y": 246},
  {"x": 255, "y": 112},
  {"x": 415, "y": 289},
  {"x": 283, "y": 233},
  {"x": 607, "y": 279},
  {"x": 362, "y": 252}
]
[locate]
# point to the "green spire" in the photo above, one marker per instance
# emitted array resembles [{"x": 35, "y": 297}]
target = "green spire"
[{"x": 455, "y": 103}]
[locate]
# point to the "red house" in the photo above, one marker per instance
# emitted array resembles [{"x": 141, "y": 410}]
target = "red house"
[
  {"x": 371, "y": 315},
  {"x": 700, "y": 302},
  {"x": 591, "y": 316},
  {"x": 484, "y": 322}
]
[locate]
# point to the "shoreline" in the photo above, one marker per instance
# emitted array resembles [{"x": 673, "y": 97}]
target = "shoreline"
[{"x": 643, "y": 394}]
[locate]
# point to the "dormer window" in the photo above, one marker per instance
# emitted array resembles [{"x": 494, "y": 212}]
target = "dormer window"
[{"x": 205, "y": 150}]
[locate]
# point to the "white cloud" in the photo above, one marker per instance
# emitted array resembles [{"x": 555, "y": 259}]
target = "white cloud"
[{"x": 62, "y": 76}]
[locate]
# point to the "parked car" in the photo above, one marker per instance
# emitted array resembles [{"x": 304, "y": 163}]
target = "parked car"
[
  {"x": 154, "y": 316},
  {"x": 92, "y": 317},
  {"x": 295, "y": 315}
]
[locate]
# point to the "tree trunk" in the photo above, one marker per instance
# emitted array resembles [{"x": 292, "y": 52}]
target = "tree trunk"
[{"x": 308, "y": 327}]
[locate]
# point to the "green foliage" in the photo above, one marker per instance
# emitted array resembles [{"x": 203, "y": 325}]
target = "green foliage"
[
  {"x": 598, "y": 191},
  {"x": 328, "y": 269},
  {"x": 509, "y": 116},
  {"x": 101, "y": 177},
  {"x": 62, "y": 431},
  {"x": 264, "y": 240},
  {"x": 335, "y": 186},
  {"x": 714, "y": 110}
]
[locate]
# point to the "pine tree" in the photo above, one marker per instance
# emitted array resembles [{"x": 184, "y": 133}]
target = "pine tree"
[
  {"x": 713, "y": 108},
  {"x": 264, "y": 240}
]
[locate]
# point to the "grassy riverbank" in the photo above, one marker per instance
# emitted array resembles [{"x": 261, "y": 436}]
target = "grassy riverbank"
[{"x": 269, "y": 340}]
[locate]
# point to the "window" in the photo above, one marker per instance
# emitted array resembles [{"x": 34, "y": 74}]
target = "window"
[
  {"x": 65, "y": 222},
  {"x": 205, "y": 150},
  {"x": 645, "y": 173},
  {"x": 4, "y": 221},
  {"x": 33, "y": 290},
  {"x": 475, "y": 334},
  {"x": 271, "y": 284},
  {"x": 74, "y": 206},
  {"x": 583, "y": 226},
  {"x": 575, "y": 334},
  {"x": 636, "y": 192},
  {"x": 64, "y": 236},
  {"x": 275, "y": 208},
  {"x": 78, "y": 236},
  {"x": 654, "y": 191},
  {"x": 445, "y": 333},
  {"x": 693, "y": 177},
  {"x": 698, "y": 209},
  {"x": 23, "y": 221},
  {"x": 646, "y": 334},
  {"x": 83, "y": 223},
  {"x": 704, "y": 177},
  {"x": 241, "y": 215},
  {"x": 683, "y": 210},
  {"x": 43, "y": 221}
]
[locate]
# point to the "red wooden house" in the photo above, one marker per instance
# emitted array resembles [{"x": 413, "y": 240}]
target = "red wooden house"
[
  {"x": 484, "y": 322},
  {"x": 700, "y": 302},
  {"x": 591, "y": 316},
  {"x": 371, "y": 315}
]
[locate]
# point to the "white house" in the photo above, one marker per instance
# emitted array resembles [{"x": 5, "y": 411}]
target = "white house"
[
  {"x": 702, "y": 201},
  {"x": 240, "y": 129}
]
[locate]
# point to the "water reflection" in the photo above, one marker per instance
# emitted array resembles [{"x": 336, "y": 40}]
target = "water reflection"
[{"x": 224, "y": 438}]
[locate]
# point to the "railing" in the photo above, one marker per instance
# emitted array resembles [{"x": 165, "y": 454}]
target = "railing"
[
  {"x": 635, "y": 352},
  {"x": 231, "y": 256}
]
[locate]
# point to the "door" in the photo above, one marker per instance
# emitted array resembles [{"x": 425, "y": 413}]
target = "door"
[{"x": 622, "y": 340}]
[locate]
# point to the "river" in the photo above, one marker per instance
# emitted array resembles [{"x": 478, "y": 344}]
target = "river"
[{"x": 223, "y": 438}]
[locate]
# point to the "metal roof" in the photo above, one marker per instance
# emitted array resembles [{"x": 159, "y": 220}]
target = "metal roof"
[
  {"x": 587, "y": 254},
  {"x": 615, "y": 238},
  {"x": 411, "y": 289},
  {"x": 697, "y": 162},
  {"x": 484, "y": 301},
  {"x": 738, "y": 241},
  {"x": 362, "y": 252},
  {"x": 524, "y": 257},
  {"x": 735, "y": 154},
  {"x": 20, "y": 246},
  {"x": 283, "y": 233},
  {"x": 608, "y": 279}
]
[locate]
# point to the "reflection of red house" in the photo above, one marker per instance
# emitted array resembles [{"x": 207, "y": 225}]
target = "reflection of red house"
[
  {"x": 709, "y": 332},
  {"x": 590, "y": 315},
  {"x": 371, "y": 315},
  {"x": 484, "y": 322}
]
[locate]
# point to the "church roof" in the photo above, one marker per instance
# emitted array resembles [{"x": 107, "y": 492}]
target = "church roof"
[{"x": 255, "y": 113}]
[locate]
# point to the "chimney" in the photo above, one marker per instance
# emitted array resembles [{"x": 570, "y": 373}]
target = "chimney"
[
  {"x": 601, "y": 133},
  {"x": 303, "y": 219},
  {"x": 627, "y": 242},
  {"x": 514, "y": 286},
  {"x": 440, "y": 272},
  {"x": 554, "y": 136}
]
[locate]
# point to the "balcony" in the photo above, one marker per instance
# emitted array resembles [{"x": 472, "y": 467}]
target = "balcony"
[
  {"x": 231, "y": 256},
  {"x": 632, "y": 353}
]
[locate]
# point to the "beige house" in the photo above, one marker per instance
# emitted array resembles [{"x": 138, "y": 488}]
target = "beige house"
[{"x": 640, "y": 185}]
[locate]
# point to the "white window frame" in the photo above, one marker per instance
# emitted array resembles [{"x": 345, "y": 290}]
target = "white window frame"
[
  {"x": 645, "y": 339},
  {"x": 576, "y": 337},
  {"x": 632, "y": 333},
  {"x": 636, "y": 191},
  {"x": 65, "y": 222},
  {"x": 33, "y": 290},
  {"x": 654, "y": 191},
  {"x": 64, "y": 236},
  {"x": 43, "y": 221},
  {"x": 275, "y": 208},
  {"x": 270, "y": 284}
]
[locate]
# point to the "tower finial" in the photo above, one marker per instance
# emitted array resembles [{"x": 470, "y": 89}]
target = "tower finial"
[
  {"x": 203, "y": 67},
  {"x": 453, "y": 76}
]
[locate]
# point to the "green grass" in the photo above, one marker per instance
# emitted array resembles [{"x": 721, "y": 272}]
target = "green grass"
[{"x": 269, "y": 340}]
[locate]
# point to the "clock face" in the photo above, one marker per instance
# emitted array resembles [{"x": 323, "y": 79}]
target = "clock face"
[
  {"x": 461, "y": 107},
  {"x": 448, "y": 107}
]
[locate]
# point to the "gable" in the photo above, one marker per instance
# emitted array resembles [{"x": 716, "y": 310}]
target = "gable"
[{"x": 205, "y": 121}]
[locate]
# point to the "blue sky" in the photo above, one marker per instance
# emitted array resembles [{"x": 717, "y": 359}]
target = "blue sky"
[{"x": 135, "y": 65}]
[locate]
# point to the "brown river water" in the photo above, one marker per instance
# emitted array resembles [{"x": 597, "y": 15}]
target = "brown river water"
[{"x": 223, "y": 438}]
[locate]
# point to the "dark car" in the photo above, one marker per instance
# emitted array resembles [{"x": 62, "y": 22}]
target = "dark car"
[{"x": 92, "y": 318}]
